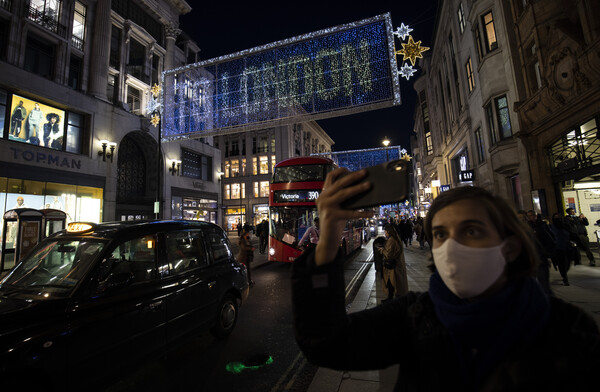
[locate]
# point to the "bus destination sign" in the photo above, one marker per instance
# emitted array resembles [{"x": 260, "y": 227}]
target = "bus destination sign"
[{"x": 296, "y": 196}]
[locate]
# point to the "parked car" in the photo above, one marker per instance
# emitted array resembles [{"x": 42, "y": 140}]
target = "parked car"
[{"x": 99, "y": 297}]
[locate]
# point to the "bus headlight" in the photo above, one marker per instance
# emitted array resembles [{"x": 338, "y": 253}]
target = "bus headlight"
[{"x": 271, "y": 251}]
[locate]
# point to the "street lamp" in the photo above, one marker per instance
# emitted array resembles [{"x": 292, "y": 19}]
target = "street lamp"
[{"x": 386, "y": 143}]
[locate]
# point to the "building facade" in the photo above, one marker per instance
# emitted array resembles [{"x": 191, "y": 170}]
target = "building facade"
[
  {"x": 248, "y": 160},
  {"x": 491, "y": 111},
  {"x": 75, "y": 80}
]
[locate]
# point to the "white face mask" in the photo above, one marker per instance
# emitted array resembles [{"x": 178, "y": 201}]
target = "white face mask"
[{"x": 467, "y": 271}]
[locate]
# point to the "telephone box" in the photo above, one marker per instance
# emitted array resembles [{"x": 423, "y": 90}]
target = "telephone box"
[
  {"x": 21, "y": 232},
  {"x": 53, "y": 221}
]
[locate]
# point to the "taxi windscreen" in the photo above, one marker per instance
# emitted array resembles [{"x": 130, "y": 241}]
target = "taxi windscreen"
[{"x": 54, "y": 265}]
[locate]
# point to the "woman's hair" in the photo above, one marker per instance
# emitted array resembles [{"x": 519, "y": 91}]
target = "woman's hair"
[
  {"x": 391, "y": 229},
  {"x": 504, "y": 219}
]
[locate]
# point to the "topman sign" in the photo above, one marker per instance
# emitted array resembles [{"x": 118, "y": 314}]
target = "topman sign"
[{"x": 341, "y": 70}]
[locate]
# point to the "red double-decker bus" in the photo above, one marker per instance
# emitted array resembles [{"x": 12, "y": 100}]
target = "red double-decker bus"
[{"x": 296, "y": 185}]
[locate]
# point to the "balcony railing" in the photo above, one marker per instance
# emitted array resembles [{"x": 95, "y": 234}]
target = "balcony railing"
[
  {"x": 77, "y": 42},
  {"x": 46, "y": 20}
]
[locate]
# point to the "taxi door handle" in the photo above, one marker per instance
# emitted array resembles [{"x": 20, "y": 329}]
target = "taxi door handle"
[
  {"x": 155, "y": 305},
  {"x": 212, "y": 284}
]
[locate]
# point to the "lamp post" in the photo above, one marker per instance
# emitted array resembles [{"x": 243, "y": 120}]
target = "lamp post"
[
  {"x": 386, "y": 143},
  {"x": 155, "y": 119}
]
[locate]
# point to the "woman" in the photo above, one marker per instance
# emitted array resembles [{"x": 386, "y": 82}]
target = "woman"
[
  {"x": 394, "y": 265},
  {"x": 246, "y": 253},
  {"x": 483, "y": 325}
]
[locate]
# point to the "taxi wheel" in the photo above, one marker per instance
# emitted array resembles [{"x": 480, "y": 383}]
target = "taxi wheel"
[{"x": 226, "y": 317}]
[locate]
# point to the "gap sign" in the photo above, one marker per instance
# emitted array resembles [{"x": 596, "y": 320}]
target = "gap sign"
[{"x": 332, "y": 72}]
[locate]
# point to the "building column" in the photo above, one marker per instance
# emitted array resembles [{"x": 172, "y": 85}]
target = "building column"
[
  {"x": 171, "y": 33},
  {"x": 100, "y": 50}
]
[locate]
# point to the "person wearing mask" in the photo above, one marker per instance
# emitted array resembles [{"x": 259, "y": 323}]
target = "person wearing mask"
[
  {"x": 311, "y": 235},
  {"x": 484, "y": 324},
  {"x": 579, "y": 233},
  {"x": 394, "y": 265},
  {"x": 246, "y": 253}
]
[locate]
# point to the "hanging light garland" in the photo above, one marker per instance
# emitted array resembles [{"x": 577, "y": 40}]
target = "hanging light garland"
[{"x": 154, "y": 106}]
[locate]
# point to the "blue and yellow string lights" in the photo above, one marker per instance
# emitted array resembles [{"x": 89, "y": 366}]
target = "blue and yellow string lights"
[{"x": 341, "y": 70}]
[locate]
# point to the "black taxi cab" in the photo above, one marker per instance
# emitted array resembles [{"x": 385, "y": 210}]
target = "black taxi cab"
[{"x": 99, "y": 297}]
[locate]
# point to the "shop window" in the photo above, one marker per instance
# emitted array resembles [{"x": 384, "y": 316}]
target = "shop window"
[
  {"x": 489, "y": 32},
  {"x": 480, "y": 145},
  {"x": 39, "y": 57},
  {"x": 137, "y": 60},
  {"x": 46, "y": 13},
  {"x": 470, "y": 77},
  {"x": 235, "y": 191},
  {"x": 235, "y": 168},
  {"x": 273, "y": 162},
  {"x": 264, "y": 165},
  {"x": 256, "y": 190},
  {"x": 264, "y": 189},
  {"x": 227, "y": 194},
  {"x": 134, "y": 97},
  {"x": 243, "y": 166},
  {"x": 503, "y": 117},
  {"x": 243, "y": 190},
  {"x": 227, "y": 168},
  {"x": 74, "y": 133},
  {"x": 254, "y": 165},
  {"x": 75, "y": 66},
  {"x": 461, "y": 18},
  {"x": 3, "y": 105},
  {"x": 78, "y": 36},
  {"x": 198, "y": 166},
  {"x": 115, "y": 47},
  {"x": 532, "y": 65}
]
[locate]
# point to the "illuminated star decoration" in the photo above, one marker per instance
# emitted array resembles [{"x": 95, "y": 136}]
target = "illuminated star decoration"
[
  {"x": 407, "y": 71},
  {"x": 402, "y": 31},
  {"x": 412, "y": 50},
  {"x": 155, "y": 90},
  {"x": 155, "y": 119},
  {"x": 153, "y": 106}
]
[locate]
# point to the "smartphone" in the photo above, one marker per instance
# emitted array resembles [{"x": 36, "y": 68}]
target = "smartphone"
[{"x": 389, "y": 184}]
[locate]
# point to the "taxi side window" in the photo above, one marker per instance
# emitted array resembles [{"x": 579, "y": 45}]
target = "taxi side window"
[
  {"x": 219, "y": 245},
  {"x": 136, "y": 257},
  {"x": 185, "y": 250}
]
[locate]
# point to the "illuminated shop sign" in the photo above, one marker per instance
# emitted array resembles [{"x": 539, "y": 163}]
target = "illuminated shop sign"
[
  {"x": 295, "y": 196},
  {"x": 336, "y": 71},
  {"x": 466, "y": 175}
]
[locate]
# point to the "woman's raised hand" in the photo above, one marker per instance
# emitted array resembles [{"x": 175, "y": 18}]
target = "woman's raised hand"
[{"x": 332, "y": 217}]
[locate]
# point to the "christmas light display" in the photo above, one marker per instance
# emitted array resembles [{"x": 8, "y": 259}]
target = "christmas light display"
[
  {"x": 329, "y": 73},
  {"x": 340, "y": 70}
]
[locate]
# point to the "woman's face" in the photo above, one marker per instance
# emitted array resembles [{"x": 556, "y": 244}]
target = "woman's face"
[{"x": 467, "y": 222}]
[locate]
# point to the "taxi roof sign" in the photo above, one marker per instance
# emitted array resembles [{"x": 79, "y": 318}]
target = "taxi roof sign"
[{"x": 79, "y": 227}]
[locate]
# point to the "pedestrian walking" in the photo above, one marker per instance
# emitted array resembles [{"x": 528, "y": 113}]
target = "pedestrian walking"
[
  {"x": 394, "y": 265},
  {"x": 483, "y": 325},
  {"x": 562, "y": 246},
  {"x": 579, "y": 234},
  {"x": 262, "y": 231},
  {"x": 420, "y": 232},
  {"x": 246, "y": 253}
]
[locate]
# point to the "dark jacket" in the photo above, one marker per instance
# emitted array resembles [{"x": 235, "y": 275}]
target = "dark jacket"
[
  {"x": 576, "y": 224},
  {"x": 406, "y": 331}
]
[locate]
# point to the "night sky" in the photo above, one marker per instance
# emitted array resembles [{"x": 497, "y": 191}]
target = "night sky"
[{"x": 224, "y": 27}]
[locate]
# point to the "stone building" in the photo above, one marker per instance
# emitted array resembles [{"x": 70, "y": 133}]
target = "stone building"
[{"x": 489, "y": 108}]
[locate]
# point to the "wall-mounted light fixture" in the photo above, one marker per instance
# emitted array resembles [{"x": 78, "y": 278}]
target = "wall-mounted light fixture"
[
  {"x": 174, "y": 168},
  {"x": 111, "y": 150},
  {"x": 220, "y": 174}
]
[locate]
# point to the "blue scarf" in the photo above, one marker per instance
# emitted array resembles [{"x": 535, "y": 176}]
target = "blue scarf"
[{"x": 484, "y": 330}]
